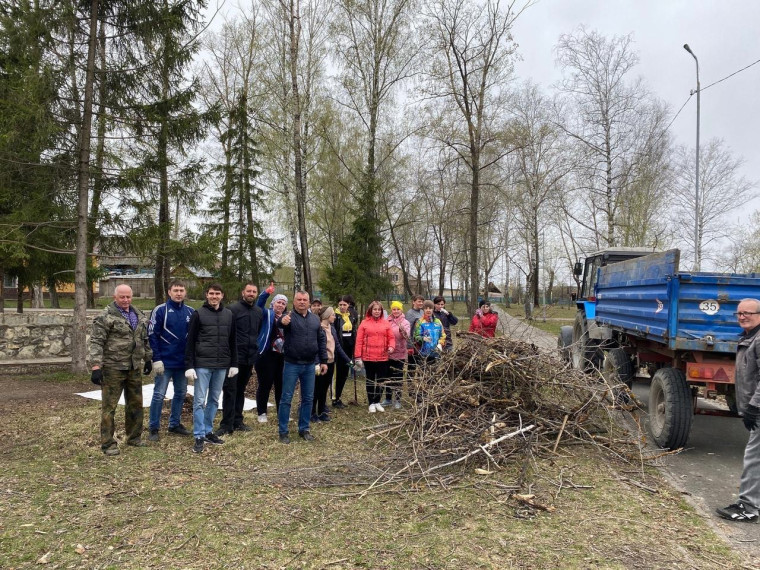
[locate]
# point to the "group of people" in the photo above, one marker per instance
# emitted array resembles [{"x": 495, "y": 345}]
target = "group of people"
[{"x": 218, "y": 348}]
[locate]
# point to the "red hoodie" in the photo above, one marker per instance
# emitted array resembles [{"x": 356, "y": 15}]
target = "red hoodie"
[
  {"x": 373, "y": 339},
  {"x": 484, "y": 324}
]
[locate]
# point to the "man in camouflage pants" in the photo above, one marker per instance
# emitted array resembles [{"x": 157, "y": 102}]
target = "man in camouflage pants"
[{"x": 119, "y": 352}]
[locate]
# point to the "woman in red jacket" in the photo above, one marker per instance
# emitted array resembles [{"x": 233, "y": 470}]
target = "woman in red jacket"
[
  {"x": 374, "y": 342},
  {"x": 484, "y": 321}
]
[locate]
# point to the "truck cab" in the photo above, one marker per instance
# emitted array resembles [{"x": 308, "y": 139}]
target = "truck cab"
[{"x": 579, "y": 343}]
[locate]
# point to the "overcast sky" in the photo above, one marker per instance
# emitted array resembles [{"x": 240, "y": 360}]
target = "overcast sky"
[{"x": 723, "y": 35}]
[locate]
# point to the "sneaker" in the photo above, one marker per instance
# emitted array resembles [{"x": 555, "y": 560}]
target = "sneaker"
[
  {"x": 262, "y": 418},
  {"x": 243, "y": 427},
  {"x": 198, "y": 447},
  {"x": 387, "y": 402},
  {"x": 338, "y": 405},
  {"x": 284, "y": 438},
  {"x": 324, "y": 417},
  {"x": 397, "y": 404},
  {"x": 137, "y": 443},
  {"x": 372, "y": 408},
  {"x": 737, "y": 513},
  {"x": 111, "y": 451},
  {"x": 180, "y": 430},
  {"x": 213, "y": 438},
  {"x": 379, "y": 408},
  {"x": 153, "y": 435},
  {"x": 306, "y": 435},
  {"x": 314, "y": 419},
  {"x": 220, "y": 432}
]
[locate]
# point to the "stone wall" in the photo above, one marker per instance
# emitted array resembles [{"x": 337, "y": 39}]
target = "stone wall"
[{"x": 37, "y": 334}]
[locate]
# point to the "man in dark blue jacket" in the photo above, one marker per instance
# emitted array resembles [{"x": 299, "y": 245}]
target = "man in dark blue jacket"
[
  {"x": 247, "y": 323},
  {"x": 167, "y": 334},
  {"x": 305, "y": 349}
]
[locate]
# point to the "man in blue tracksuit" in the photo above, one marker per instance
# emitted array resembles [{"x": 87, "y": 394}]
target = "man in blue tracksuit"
[{"x": 167, "y": 334}]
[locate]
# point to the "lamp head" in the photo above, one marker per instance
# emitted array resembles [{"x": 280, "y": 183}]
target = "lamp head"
[{"x": 687, "y": 48}]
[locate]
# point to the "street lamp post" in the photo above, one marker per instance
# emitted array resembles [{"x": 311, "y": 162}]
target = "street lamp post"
[{"x": 697, "y": 248}]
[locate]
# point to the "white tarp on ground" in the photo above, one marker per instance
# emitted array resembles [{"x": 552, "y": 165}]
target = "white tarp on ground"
[{"x": 147, "y": 390}]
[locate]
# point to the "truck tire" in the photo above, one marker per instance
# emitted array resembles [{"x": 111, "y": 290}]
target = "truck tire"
[
  {"x": 583, "y": 350},
  {"x": 670, "y": 408},
  {"x": 565, "y": 342},
  {"x": 617, "y": 369}
]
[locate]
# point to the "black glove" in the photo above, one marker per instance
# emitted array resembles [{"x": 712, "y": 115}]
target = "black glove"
[
  {"x": 751, "y": 417},
  {"x": 97, "y": 376},
  {"x": 148, "y": 367}
]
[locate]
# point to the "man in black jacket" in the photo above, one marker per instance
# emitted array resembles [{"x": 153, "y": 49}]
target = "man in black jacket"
[
  {"x": 210, "y": 351},
  {"x": 247, "y": 317},
  {"x": 305, "y": 349}
]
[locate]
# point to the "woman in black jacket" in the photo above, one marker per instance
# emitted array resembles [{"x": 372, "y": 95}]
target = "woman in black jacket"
[{"x": 346, "y": 323}]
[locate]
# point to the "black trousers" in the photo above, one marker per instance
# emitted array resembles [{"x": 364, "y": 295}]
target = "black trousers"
[
  {"x": 377, "y": 373},
  {"x": 341, "y": 375},
  {"x": 233, "y": 392},
  {"x": 321, "y": 386},
  {"x": 395, "y": 379},
  {"x": 269, "y": 372}
]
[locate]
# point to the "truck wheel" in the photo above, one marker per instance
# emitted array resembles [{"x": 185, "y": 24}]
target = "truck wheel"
[
  {"x": 670, "y": 408},
  {"x": 583, "y": 350},
  {"x": 565, "y": 342},
  {"x": 617, "y": 370}
]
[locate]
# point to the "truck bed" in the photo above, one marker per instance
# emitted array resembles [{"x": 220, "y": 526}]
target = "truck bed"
[{"x": 648, "y": 297}]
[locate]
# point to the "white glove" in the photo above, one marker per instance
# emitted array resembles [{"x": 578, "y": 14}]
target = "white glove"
[
  {"x": 317, "y": 370},
  {"x": 358, "y": 364},
  {"x": 158, "y": 367},
  {"x": 233, "y": 372},
  {"x": 190, "y": 374},
  {"x": 444, "y": 311}
]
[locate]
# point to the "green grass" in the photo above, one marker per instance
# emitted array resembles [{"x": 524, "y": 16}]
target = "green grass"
[{"x": 254, "y": 503}]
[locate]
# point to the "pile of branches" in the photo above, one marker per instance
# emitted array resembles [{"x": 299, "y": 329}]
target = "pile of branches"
[{"x": 490, "y": 399}]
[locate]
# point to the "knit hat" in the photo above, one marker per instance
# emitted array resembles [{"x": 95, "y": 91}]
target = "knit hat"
[
  {"x": 326, "y": 312},
  {"x": 397, "y": 305},
  {"x": 278, "y": 297}
]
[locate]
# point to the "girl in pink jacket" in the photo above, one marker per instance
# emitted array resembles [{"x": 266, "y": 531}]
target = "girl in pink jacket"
[{"x": 374, "y": 343}]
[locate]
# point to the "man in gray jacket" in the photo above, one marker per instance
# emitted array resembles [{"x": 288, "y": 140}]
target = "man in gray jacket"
[
  {"x": 119, "y": 351},
  {"x": 747, "y": 378}
]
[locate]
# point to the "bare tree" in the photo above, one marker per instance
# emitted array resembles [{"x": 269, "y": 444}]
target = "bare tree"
[
  {"x": 722, "y": 190},
  {"x": 540, "y": 165},
  {"x": 79, "y": 344},
  {"x": 607, "y": 118},
  {"x": 470, "y": 59}
]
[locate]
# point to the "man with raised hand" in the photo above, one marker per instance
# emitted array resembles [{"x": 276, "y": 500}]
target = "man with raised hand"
[
  {"x": 247, "y": 323},
  {"x": 305, "y": 346},
  {"x": 119, "y": 352},
  {"x": 168, "y": 337},
  {"x": 210, "y": 356}
]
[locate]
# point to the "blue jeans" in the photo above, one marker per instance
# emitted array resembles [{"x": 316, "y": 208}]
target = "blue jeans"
[
  {"x": 291, "y": 373},
  {"x": 208, "y": 385},
  {"x": 177, "y": 376}
]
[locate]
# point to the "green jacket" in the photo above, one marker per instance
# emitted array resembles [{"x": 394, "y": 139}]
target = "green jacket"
[{"x": 113, "y": 343}]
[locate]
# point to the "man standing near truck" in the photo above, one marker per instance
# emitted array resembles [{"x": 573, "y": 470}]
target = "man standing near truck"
[{"x": 747, "y": 378}]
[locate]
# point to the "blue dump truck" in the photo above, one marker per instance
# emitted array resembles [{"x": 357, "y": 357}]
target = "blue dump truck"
[{"x": 636, "y": 310}]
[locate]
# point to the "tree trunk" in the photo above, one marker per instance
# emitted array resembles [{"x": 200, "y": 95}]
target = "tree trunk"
[
  {"x": 19, "y": 298},
  {"x": 295, "y": 32},
  {"x": 98, "y": 178},
  {"x": 79, "y": 336},
  {"x": 54, "y": 301},
  {"x": 473, "y": 245},
  {"x": 161, "y": 277},
  {"x": 38, "y": 301}
]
